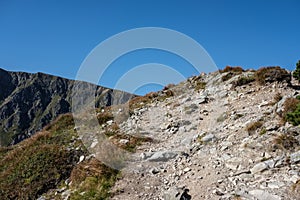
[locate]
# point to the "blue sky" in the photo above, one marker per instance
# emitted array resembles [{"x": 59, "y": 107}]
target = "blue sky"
[{"x": 55, "y": 36}]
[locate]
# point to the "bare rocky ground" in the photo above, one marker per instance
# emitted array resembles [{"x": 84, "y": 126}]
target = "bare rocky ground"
[{"x": 203, "y": 150}]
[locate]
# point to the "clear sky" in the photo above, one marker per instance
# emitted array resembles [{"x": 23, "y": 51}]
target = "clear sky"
[{"x": 55, "y": 36}]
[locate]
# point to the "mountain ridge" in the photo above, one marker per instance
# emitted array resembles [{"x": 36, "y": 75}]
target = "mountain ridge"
[{"x": 29, "y": 101}]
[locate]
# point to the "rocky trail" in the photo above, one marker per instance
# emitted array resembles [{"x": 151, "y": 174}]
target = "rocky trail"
[{"x": 203, "y": 147}]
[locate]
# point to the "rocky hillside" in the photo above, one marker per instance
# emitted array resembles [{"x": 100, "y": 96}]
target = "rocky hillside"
[
  {"x": 226, "y": 135},
  {"x": 28, "y": 102},
  {"x": 232, "y": 134}
]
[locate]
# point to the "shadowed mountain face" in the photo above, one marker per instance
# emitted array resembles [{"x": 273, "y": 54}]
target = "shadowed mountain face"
[{"x": 28, "y": 102}]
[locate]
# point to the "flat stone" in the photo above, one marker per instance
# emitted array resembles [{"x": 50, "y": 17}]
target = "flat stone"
[
  {"x": 146, "y": 155},
  {"x": 275, "y": 185},
  {"x": 162, "y": 156},
  {"x": 187, "y": 169},
  {"x": 259, "y": 167},
  {"x": 207, "y": 138},
  {"x": 295, "y": 157},
  {"x": 263, "y": 195}
]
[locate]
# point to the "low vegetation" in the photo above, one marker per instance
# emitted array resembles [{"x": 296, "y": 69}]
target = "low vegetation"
[
  {"x": 296, "y": 73},
  {"x": 231, "y": 72},
  {"x": 200, "y": 85},
  {"x": 236, "y": 69},
  {"x": 285, "y": 142},
  {"x": 243, "y": 80},
  {"x": 40, "y": 163},
  {"x": 272, "y": 74},
  {"x": 92, "y": 180},
  {"x": 291, "y": 112},
  {"x": 43, "y": 162},
  {"x": 254, "y": 126}
]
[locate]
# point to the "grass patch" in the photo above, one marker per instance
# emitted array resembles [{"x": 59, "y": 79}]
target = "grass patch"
[
  {"x": 133, "y": 141},
  {"x": 200, "y": 85},
  {"x": 40, "y": 163},
  {"x": 231, "y": 72},
  {"x": 291, "y": 112},
  {"x": 285, "y": 142},
  {"x": 43, "y": 162},
  {"x": 92, "y": 180},
  {"x": 243, "y": 80},
  {"x": 236, "y": 69},
  {"x": 252, "y": 127}
]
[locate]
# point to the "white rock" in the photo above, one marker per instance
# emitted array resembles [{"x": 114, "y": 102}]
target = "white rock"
[
  {"x": 208, "y": 138},
  {"x": 110, "y": 122},
  {"x": 275, "y": 185},
  {"x": 263, "y": 195},
  {"x": 81, "y": 158},
  {"x": 259, "y": 167},
  {"x": 162, "y": 156},
  {"x": 187, "y": 169},
  {"x": 295, "y": 157},
  {"x": 123, "y": 141}
]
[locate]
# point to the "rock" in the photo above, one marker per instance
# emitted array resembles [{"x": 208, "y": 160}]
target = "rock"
[
  {"x": 280, "y": 105},
  {"x": 187, "y": 141},
  {"x": 187, "y": 169},
  {"x": 110, "y": 122},
  {"x": 208, "y": 138},
  {"x": 171, "y": 194},
  {"x": 123, "y": 141},
  {"x": 233, "y": 163},
  {"x": 218, "y": 192},
  {"x": 294, "y": 178},
  {"x": 177, "y": 194},
  {"x": 270, "y": 163},
  {"x": 162, "y": 156},
  {"x": 81, "y": 158},
  {"x": 146, "y": 155},
  {"x": 259, "y": 167},
  {"x": 202, "y": 99},
  {"x": 154, "y": 170},
  {"x": 182, "y": 129},
  {"x": 185, "y": 195},
  {"x": 263, "y": 195},
  {"x": 275, "y": 184},
  {"x": 295, "y": 157}
]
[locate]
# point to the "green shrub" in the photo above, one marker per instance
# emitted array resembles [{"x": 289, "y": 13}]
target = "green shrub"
[
  {"x": 296, "y": 73},
  {"x": 294, "y": 117},
  {"x": 243, "y": 80},
  {"x": 290, "y": 105}
]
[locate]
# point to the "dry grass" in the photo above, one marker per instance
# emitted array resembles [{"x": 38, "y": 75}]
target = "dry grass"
[
  {"x": 252, "y": 127},
  {"x": 92, "y": 180},
  {"x": 243, "y": 80},
  {"x": 236, "y": 69},
  {"x": 231, "y": 72},
  {"x": 285, "y": 142},
  {"x": 134, "y": 141},
  {"x": 290, "y": 105},
  {"x": 271, "y": 74},
  {"x": 200, "y": 85}
]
